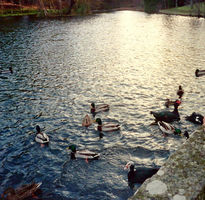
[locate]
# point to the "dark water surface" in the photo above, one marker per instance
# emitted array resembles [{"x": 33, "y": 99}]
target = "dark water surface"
[{"x": 130, "y": 60}]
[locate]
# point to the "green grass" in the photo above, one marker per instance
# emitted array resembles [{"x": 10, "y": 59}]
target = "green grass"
[
  {"x": 10, "y": 12},
  {"x": 185, "y": 10},
  {"x": 23, "y": 12}
]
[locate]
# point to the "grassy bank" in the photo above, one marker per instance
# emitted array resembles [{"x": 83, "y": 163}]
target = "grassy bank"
[
  {"x": 198, "y": 10},
  {"x": 33, "y": 12},
  {"x": 13, "y": 13}
]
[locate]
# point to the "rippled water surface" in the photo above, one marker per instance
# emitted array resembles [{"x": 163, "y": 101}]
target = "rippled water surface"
[{"x": 130, "y": 60}]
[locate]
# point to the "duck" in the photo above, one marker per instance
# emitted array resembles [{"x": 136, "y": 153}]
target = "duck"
[
  {"x": 21, "y": 193},
  {"x": 199, "y": 73},
  {"x": 180, "y": 92},
  {"x": 107, "y": 127},
  {"x": 167, "y": 128},
  {"x": 170, "y": 102},
  {"x": 140, "y": 174},
  {"x": 83, "y": 154},
  {"x": 87, "y": 121},
  {"x": 196, "y": 118},
  {"x": 99, "y": 108},
  {"x": 41, "y": 137},
  {"x": 167, "y": 116},
  {"x": 10, "y": 71}
]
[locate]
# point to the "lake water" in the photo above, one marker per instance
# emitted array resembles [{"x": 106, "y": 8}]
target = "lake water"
[{"x": 130, "y": 60}]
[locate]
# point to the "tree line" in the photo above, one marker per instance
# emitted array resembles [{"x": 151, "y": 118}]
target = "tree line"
[
  {"x": 88, "y": 6},
  {"x": 68, "y": 6}
]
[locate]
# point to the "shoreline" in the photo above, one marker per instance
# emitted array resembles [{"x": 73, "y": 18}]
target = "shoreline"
[
  {"x": 39, "y": 14},
  {"x": 51, "y": 15},
  {"x": 164, "y": 12}
]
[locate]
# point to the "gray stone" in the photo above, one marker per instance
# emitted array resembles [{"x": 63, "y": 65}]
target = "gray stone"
[{"x": 182, "y": 177}]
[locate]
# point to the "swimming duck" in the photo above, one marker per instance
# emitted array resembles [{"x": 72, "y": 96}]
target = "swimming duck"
[
  {"x": 139, "y": 174},
  {"x": 99, "y": 108},
  {"x": 7, "y": 71},
  {"x": 195, "y": 118},
  {"x": 199, "y": 73},
  {"x": 170, "y": 103},
  {"x": 180, "y": 92},
  {"x": 168, "y": 128},
  {"x": 84, "y": 154},
  {"x": 41, "y": 137},
  {"x": 87, "y": 121},
  {"x": 167, "y": 116},
  {"x": 107, "y": 127},
  {"x": 21, "y": 193}
]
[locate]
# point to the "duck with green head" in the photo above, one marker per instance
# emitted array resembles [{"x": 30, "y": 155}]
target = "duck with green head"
[
  {"x": 107, "y": 127},
  {"x": 99, "y": 108}
]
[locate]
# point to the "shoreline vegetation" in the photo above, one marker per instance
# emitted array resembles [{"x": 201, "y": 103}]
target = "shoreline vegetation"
[
  {"x": 55, "y": 8},
  {"x": 85, "y": 7},
  {"x": 198, "y": 10}
]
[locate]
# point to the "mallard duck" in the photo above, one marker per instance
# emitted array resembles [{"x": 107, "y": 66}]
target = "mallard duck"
[
  {"x": 199, "y": 73},
  {"x": 10, "y": 71},
  {"x": 87, "y": 121},
  {"x": 41, "y": 137},
  {"x": 84, "y": 154},
  {"x": 180, "y": 92},
  {"x": 196, "y": 118},
  {"x": 99, "y": 108},
  {"x": 167, "y": 116},
  {"x": 21, "y": 193},
  {"x": 168, "y": 128},
  {"x": 107, "y": 127}
]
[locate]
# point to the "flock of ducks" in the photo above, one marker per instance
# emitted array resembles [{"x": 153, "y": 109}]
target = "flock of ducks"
[
  {"x": 139, "y": 175},
  {"x": 163, "y": 118}
]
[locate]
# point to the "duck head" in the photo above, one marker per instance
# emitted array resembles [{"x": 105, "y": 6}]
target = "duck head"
[
  {"x": 99, "y": 121},
  {"x": 92, "y": 105},
  {"x": 128, "y": 165},
  {"x": 197, "y": 73},
  {"x": 38, "y": 129},
  {"x": 177, "y": 131},
  {"x": 72, "y": 148},
  {"x": 11, "y": 70},
  {"x": 177, "y": 103}
]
